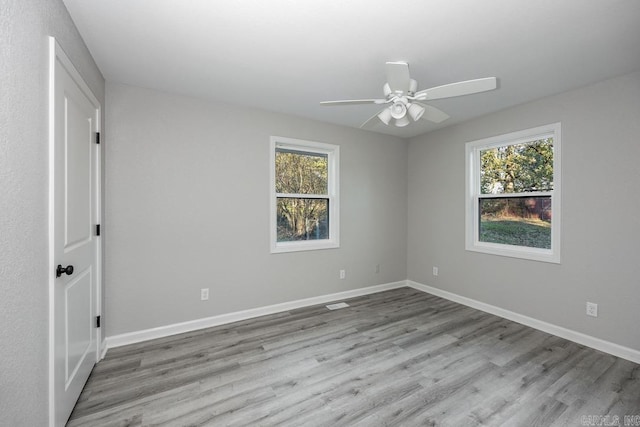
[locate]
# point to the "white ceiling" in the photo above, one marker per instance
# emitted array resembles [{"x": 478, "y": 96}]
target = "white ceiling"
[{"x": 288, "y": 55}]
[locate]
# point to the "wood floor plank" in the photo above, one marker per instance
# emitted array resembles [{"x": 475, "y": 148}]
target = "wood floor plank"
[{"x": 399, "y": 357}]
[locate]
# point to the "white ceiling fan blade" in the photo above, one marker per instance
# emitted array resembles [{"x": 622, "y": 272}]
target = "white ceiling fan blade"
[
  {"x": 457, "y": 89},
  {"x": 371, "y": 121},
  {"x": 374, "y": 119},
  {"x": 433, "y": 114},
  {"x": 354, "y": 102},
  {"x": 398, "y": 76}
]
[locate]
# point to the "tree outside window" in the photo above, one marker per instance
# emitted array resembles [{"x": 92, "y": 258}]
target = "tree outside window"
[
  {"x": 302, "y": 173},
  {"x": 304, "y": 195},
  {"x": 513, "y": 192},
  {"x": 517, "y": 169}
]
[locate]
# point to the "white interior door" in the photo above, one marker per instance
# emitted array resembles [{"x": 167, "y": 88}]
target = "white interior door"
[{"x": 75, "y": 212}]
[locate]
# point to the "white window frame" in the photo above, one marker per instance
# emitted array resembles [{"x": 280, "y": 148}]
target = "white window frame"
[
  {"x": 333, "y": 186},
  {"x": 472, "y": 214}
]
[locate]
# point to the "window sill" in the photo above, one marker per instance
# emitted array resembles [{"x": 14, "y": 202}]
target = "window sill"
[
  {"x": 533, "y": 254},
  {"x": 283, "y": 247}
]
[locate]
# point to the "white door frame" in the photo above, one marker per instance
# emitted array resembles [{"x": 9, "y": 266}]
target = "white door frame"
[{"x": 56, "y": 53}]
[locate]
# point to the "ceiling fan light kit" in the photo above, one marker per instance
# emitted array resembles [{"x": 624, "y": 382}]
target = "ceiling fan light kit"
[
  {"x": 413, "y": 86},
  {"x": 398, "y": 110},
  {"x": 385, "y": 116},
  {"x": 416, "y": 111},
  {"x": 402, "y": 96},
  {"x": 387, "y": 90},
  {"x": 402, "y": 122}
]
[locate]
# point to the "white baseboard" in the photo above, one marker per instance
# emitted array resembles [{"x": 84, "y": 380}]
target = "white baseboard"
[
  {"x": 103, "y": 349},
  {"x": 571, "y": 335},
  {"x": 178, "y": 328}
]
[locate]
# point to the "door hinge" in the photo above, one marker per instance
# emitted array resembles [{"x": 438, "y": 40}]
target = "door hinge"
[
  {"x": 97, "y": 137},
  {"x": 97, "y": 321},
  {"x": 97, "y": 229}
]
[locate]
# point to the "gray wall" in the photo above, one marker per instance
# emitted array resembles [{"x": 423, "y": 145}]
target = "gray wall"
[
  {"x": 187, "y": 197},
  {"x": 600, "y": 208},
  {"x": 24, "y": 267},
  {"x": 187, "y": 201}
]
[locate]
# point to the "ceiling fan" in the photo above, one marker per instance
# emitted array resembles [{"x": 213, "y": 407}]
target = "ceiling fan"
[{"x": 402, "y": 98}]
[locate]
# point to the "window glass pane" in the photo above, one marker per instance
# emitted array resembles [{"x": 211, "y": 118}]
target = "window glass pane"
[
  {"x": 300, "y": 172},
  {"x": 517, "y": 168},
  {"x": 302, "y": 219},
  {"x": 518, "y": 221}
]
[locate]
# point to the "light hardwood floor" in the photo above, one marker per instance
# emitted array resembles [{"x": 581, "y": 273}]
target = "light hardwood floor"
[{"x": 400, "y": 357}]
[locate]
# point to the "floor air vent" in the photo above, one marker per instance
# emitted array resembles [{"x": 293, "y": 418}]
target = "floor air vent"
[{"x": 337, "y": 305}]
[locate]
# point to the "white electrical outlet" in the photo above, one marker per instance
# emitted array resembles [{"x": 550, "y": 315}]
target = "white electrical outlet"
[
  {"x": 435, "y": 271},
  {"x": 377, "y": 268},
  {"x": 592, "y": 309},
  {"x": 343, "y": 274},
  {"x": 204, "y": 294}
]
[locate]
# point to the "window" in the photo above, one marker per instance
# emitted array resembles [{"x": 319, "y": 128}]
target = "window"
[
  {"x": 304, "y": 195},
  {"x": 513, "y": 194}
]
